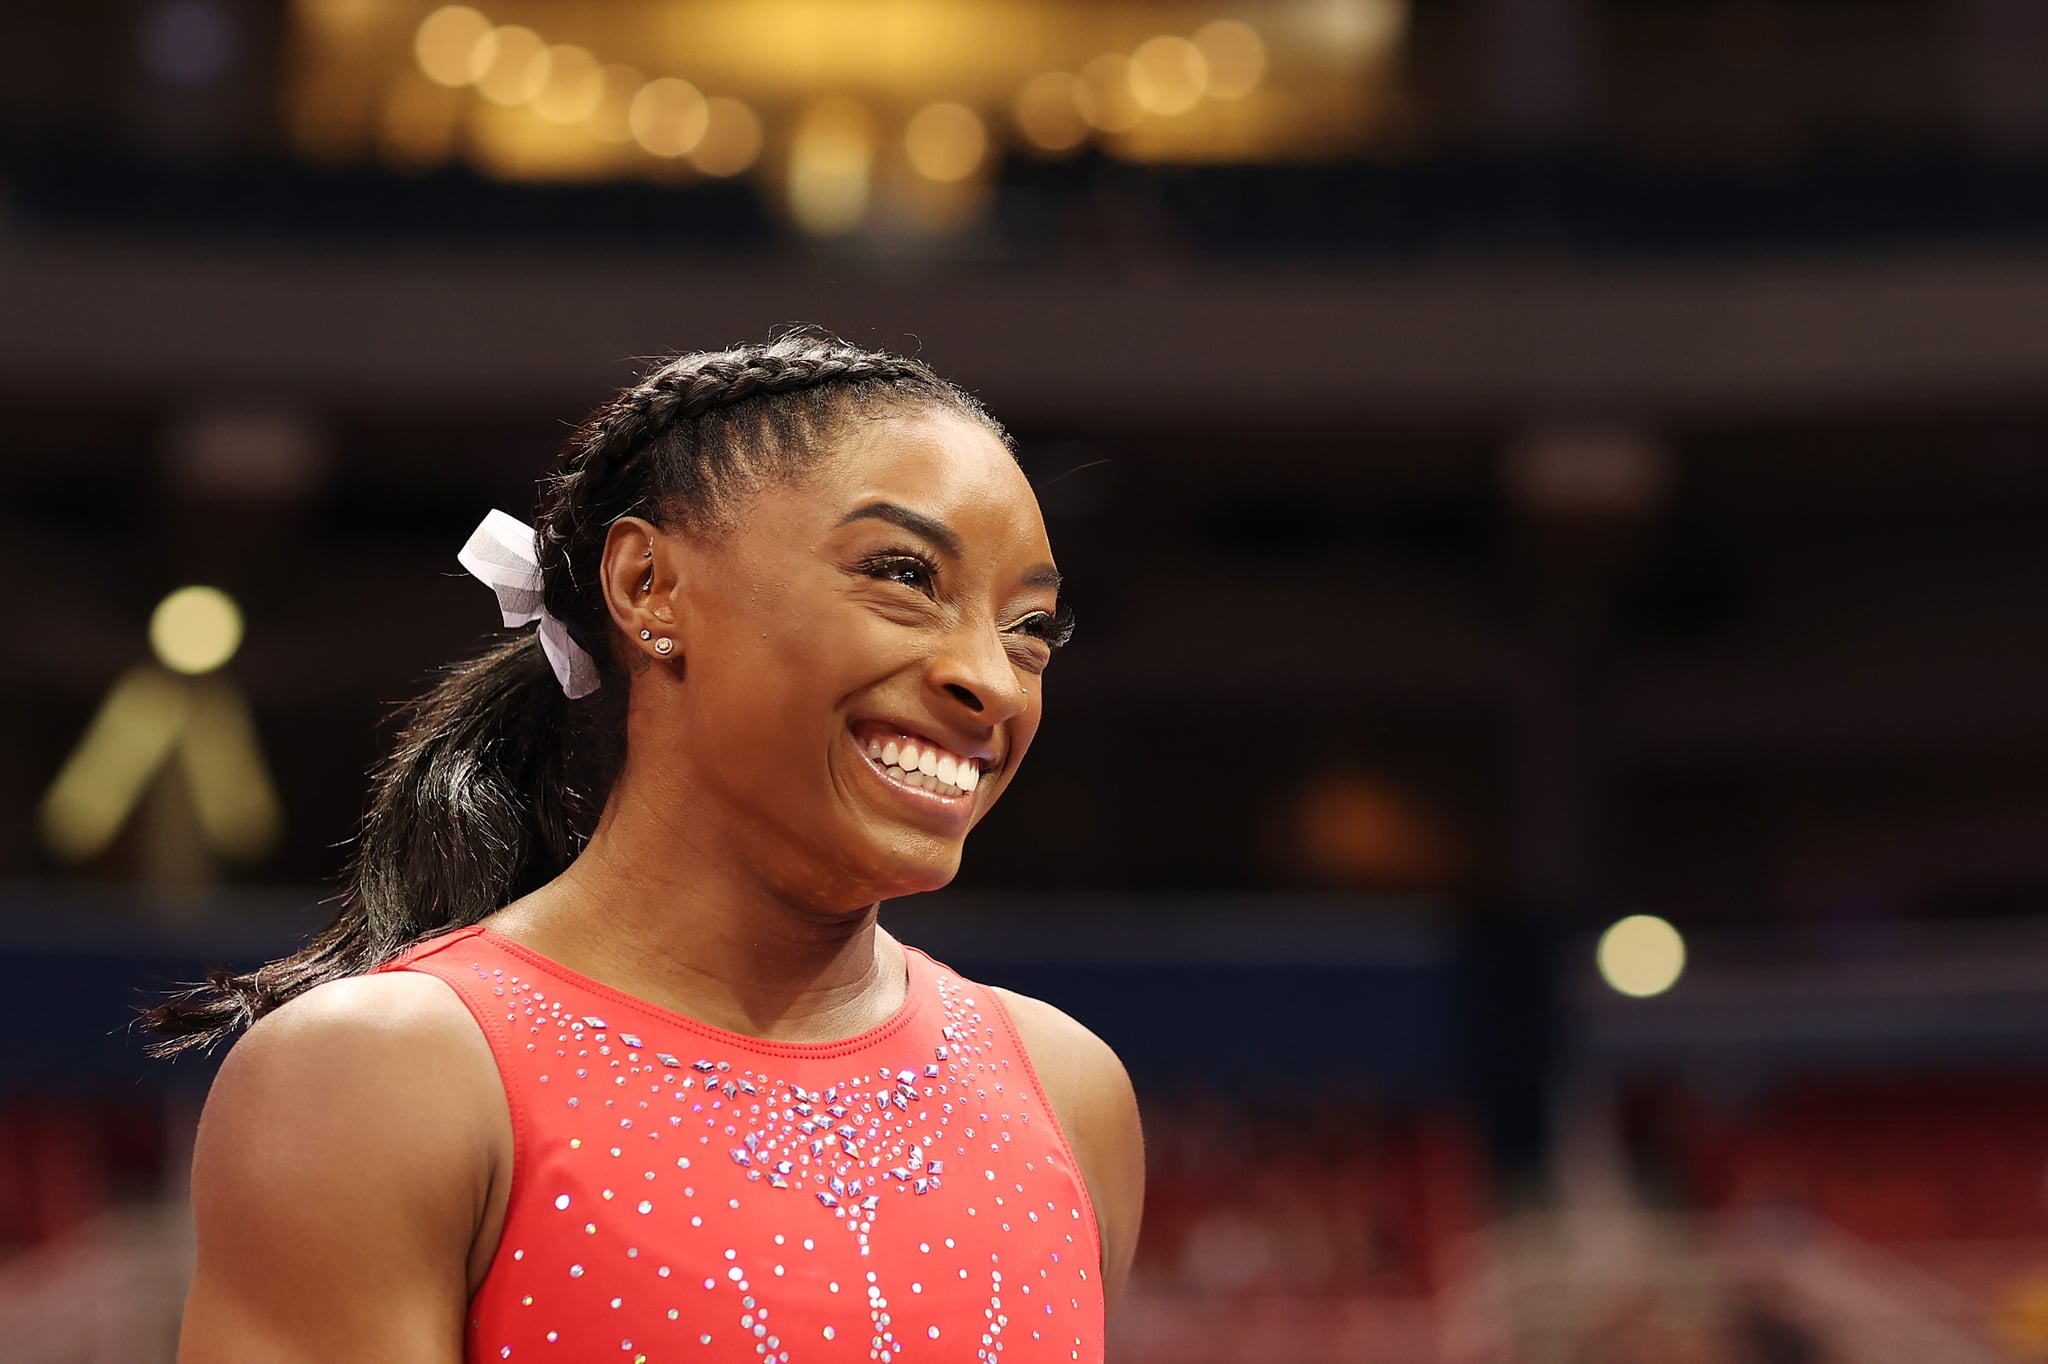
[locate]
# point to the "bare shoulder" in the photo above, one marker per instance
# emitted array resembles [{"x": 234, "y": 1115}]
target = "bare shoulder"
[
  {"x": 368, "y": 1051},
  {"x": 384, "y": 1009},
  {"x": 1091, "y": 1095},
  {"x": 343, "y": 1159},
  {"x": 1064, "y": 1050}
]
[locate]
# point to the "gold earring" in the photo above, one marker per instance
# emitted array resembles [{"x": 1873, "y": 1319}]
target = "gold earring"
[{"x": 664, "y": 645}]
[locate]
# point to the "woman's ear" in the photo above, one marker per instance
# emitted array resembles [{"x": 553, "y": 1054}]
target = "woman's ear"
[{"x": 640, "y": 578}]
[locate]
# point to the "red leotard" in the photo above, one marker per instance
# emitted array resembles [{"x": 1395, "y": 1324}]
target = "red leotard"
[{"x": 684, "y": 1193}]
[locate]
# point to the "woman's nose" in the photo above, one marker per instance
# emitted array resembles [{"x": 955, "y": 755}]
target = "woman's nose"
[{"x": 977, "y": 673}]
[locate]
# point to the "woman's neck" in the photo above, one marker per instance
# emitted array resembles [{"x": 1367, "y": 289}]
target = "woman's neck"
[{"x": 693, "y": 932}]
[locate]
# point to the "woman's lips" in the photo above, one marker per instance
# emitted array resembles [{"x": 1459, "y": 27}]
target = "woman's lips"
[{"x": 916, "y": 764}]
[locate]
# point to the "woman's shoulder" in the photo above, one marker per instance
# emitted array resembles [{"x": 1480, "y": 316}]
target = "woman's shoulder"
[
  {"x": 1053, "y": 1035},
  {"x": 368, "y": 1086},
  {"x": 395, "y": 1054},
  {"x": 345, "y": 1143},
  {"x": 1091, "y": 1095},
  {"x": 374, "y": 1011}
]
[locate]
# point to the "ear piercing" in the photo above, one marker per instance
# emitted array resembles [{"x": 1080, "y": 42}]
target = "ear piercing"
[
  {"x": 647, "y": 634},
  {"x": 664, "y": 645}
]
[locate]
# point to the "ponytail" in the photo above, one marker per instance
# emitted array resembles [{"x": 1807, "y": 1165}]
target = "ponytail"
[{"x": 476, "y": 806}]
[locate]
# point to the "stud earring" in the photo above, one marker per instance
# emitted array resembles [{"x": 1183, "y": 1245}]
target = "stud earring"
[
  {"x": 647, "y": 634},
  {"x": 663, "y": 645}
]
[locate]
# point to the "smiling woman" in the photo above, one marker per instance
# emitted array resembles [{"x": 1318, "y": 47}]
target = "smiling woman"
[{"x": 606, "y": 1049}]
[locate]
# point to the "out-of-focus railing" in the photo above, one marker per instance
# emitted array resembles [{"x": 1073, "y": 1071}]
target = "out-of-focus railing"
[
  {"x": 1594, "y": 1287},
  {"x": 111, "y": 1289}
]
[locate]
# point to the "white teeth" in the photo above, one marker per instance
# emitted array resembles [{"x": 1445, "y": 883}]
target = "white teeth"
[{"x": 928, "y": 769}]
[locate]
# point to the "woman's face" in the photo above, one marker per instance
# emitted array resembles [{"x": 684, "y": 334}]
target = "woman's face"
[{"x": 861, "y": 661}]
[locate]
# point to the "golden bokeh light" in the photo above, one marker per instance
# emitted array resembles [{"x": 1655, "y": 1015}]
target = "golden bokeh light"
[
  {"x": 574, "y": 86},
  {"x": 732, "y": 142},
  {"x": 515, "y": 65},
  {"x": 531, "y": 93},
  {"x": 1112, "y": 106},
  {"x": 196, "y": 629},
  {"x": 1350, "y": 30},
  {"x": 1641, "y": 956},
  {"x": 1168, "y": 75},
  {"x": 831, "y": 167},
  {"x": 1052, "y": 111},
  {"x": 1236, "y": 56},
  {"x": 610, "y": 120},
  {"x": 669, "y": 117},
  {"x": 445, "y": 45},
  {"x": 945, "y": 142}
]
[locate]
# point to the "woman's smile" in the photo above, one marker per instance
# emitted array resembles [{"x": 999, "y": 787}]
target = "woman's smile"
[{"x": 928, "y": 775}]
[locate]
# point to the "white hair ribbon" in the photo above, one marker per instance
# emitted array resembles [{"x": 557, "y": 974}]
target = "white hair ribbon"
[{"x": 500, "y": 553}]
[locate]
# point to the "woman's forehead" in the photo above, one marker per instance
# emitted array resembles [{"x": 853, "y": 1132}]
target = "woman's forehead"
[{"x": 941, "y": 464}]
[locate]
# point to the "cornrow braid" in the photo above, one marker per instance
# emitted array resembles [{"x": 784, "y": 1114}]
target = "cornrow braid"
[
  {"x": 693, "y": 385},
  {"x": 496, "y": 780},
  {"x": 674, "y": 447}
]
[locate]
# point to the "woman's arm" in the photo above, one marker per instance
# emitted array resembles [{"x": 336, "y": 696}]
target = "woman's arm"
[
  {"x": 342, "y": 1168},
  {"x": 1091, "y": 1095}
]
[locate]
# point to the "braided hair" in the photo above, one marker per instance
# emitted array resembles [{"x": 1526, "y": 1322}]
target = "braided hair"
[{"x": 496, "y": 779}]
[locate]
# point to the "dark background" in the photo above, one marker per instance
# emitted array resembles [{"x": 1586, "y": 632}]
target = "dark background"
[{"x": 1589, "y": 462}]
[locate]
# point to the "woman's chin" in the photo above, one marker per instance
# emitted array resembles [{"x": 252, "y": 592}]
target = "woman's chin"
[{"x": 912, "y": 866}]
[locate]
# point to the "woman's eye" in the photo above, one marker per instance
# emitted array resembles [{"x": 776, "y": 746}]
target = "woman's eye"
[
  {"x": 906, "y": 569},
  {"x": 1055, "y": 628}
]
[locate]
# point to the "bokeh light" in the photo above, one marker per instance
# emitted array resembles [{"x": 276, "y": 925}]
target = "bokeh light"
[
  {"x": 1052, "y": 111},
  {"x": 1111, "y": 105},
  {"x": 1236, "y": 57},
  {"x": 515, "y": 66},
  {"x": 196, "y": 629},
  {"x": 732, "y": 139},
  {"x": 1168, "y": 75},
  {"x": 945, "y": 142},
  {"x": 446, "y": 45},
  {"x": 610, "y": 120},
  {"x": 1641, "y": 955},
  {"x": 574, "y": 86},
  {"x": 831, "y": 165},
  {"x": 669, "y": 117}
]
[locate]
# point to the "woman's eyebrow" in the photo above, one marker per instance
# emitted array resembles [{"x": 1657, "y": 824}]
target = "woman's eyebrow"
[
  {"x": 917, "y": 523},
  {"x": 1042, "y": 575}
]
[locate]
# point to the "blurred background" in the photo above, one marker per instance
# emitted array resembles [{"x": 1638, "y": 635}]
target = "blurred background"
[{"x": 1551, "y": 489}]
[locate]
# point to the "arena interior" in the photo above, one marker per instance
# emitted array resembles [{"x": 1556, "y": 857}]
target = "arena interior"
[{"x": 1549, "y": 791}]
